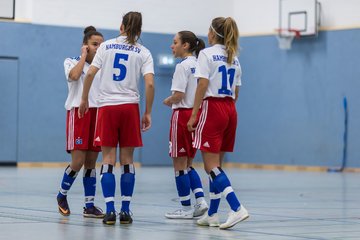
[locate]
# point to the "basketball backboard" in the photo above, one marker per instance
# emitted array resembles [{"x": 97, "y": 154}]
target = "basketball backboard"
[
  {"x": 300, "y": 15},
  {"x": 7, "y": 9}
]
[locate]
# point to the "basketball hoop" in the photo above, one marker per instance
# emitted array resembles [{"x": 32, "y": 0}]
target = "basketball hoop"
[{"x": 286, "y": 36}]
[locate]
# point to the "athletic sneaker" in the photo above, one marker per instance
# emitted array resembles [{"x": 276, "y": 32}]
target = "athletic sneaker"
[
  {"x": 93, "y": 212},
  {"x": 180, "y": 214},
  {"x": 211, "y": 221},
  {"x": 63, "y": 206},
  {"x": 110, "y": 218},
  {"x": 235, "y": 217},
  {"x": 200, "y": 209},
  {"x": 125, "y": 218}
]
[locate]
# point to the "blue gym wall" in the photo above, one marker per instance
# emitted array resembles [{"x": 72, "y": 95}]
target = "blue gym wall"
[
  {"x": 290, "y": 107},
  {"x": 291, "y": 104}
]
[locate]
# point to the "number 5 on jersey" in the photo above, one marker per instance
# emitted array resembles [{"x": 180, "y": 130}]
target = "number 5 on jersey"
[
  {"x": 119, "y": 58},
  {"x": 224, "y": 81}
]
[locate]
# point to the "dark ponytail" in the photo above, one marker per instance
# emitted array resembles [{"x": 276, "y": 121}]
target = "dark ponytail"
[
  {"x": 89, "y": 32},
  {"x": 132, "y": 22},
  {"x": 196, "y": 44},
  {"x": 200, "y": 45}
]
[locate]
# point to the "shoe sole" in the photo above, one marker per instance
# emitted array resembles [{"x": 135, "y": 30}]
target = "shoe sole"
[
  {"x": 242, "y": 219},
  {"x": 93, "y": 216},
  {"x": 209, "y": 225},
  {"x": 109, "y": 223},
  {"x": 214, "y": 225},
  {"x": 177, "y": 217},
  {"x": 64, "y": 213},
  {"x": 125, "y": 222}
]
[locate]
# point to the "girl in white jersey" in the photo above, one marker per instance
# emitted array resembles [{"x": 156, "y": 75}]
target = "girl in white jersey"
[
  {"x": 122, "y": 61},
  {"x": 219, "y": 73},
  {"x": 183, "y": 88},
  {"x": 80, "y": 132}
]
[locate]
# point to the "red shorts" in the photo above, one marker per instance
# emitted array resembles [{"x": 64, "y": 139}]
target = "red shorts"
[
  {"x": 80, "y": 131},
  {"x": 118, "y": 124},
  {"x": 216, "y": 128},
  {"x": 180, "y": 144}
]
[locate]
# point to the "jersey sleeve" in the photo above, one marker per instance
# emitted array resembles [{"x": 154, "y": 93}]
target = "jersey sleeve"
[
  {"x": 98, "y": 59},
  {"x": 202, "y": 66},
  {"x": 179, "y": 81},
  {"x": 68, "y": 65},
  {"x": 238, "y": 77},
  {"x": 148, "y": 66}
]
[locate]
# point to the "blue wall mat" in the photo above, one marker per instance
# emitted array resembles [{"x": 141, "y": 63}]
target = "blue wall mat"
[
  {"x": 290, "y": 106},
  {"x": 9, "y": 111}
]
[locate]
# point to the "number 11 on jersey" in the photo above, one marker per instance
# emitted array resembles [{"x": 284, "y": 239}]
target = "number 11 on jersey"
[{"x": 225, "y": 79}]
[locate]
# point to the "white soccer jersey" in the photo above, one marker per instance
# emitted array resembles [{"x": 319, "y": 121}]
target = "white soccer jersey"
[
  {"x": 185, "y": 82},
  {"x": 223, "y": 77},
  {"x": 76, "y": 87},
  {"x": 121, "y": 65}
]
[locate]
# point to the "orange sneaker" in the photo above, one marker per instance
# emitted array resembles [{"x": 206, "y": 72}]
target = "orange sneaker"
[{"x": 63, "y": 206}]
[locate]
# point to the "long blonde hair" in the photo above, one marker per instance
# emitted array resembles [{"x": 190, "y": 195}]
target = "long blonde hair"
[{"x": 227, "y": 33}]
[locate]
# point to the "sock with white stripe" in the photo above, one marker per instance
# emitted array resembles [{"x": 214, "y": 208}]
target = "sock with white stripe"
[
  {"x": 183, "y": 187},
  {"x": 108, "y": 185},
  {"x": 67, "y": 181},
  {"x": 222, "y": 184},
  {"x": 127, "y": 182},
  {"x": 89, "y": 182},
  {"x": 215, "y": 198},
  {"x": 195, "y": 184}
]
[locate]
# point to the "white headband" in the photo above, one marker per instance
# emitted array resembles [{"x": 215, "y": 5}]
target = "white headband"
[{"x": 216, "y": 32}]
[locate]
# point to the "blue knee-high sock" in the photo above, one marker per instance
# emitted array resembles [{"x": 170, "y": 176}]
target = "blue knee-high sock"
[
  {"x": 222, "y": 184},
  {"x": 67, "y": 181},
  {"x": 183, "y": 187},
  {"x": 215, "y": 197},
  {"x": 108, "y": 185},
  {"x": 127, "y": 181},
  {"x": 195, "y": 184},
  {"x": 89, "y": 182}
]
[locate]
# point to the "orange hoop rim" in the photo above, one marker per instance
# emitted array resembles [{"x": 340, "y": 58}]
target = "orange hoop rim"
[{"x": 296, "y": 32}]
